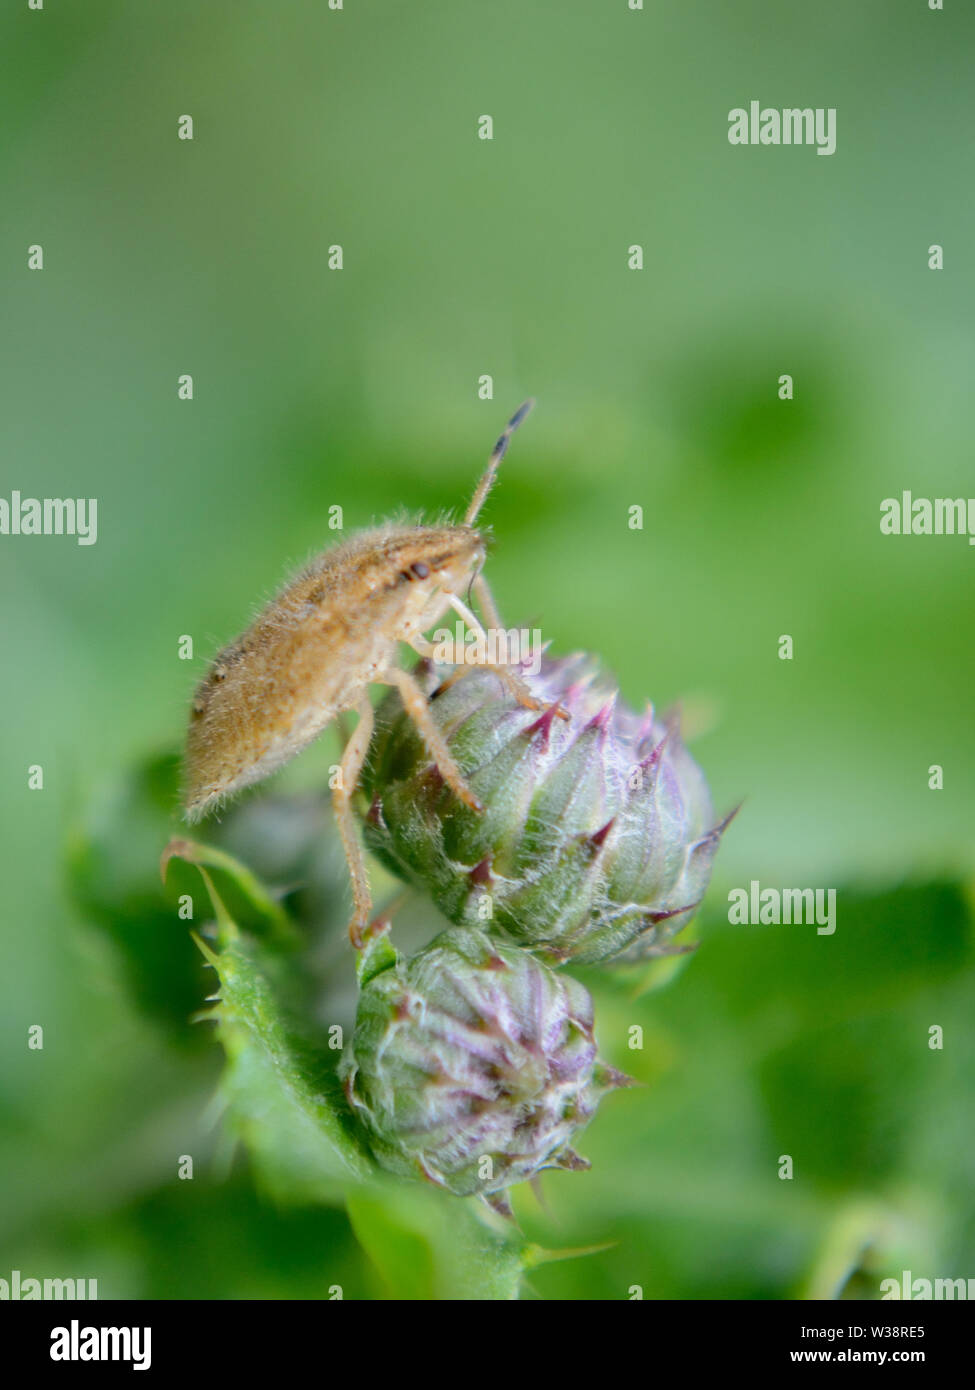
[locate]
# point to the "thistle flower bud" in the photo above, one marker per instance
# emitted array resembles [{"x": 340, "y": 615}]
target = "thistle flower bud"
[
  {"x": 597, "y": 836},
  {"x": 473, "y": 1065}
]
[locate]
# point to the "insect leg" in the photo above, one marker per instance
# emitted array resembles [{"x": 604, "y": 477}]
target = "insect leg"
[
  {"x": 415, "y": 704},
  {"x": 349, "y": 769},
  {"x": 423, "y": 646},
  {"x": 516, "y": 686},
  {"x": 342, "y": 728},
  {"x": 513, "y": 684},
  {"x": 485, "y": 598}
]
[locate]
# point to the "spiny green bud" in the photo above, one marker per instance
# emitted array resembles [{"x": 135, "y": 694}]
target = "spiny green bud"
[
  {"x": 597, "y": 835},
  {"x": 473, "y": 1064}
]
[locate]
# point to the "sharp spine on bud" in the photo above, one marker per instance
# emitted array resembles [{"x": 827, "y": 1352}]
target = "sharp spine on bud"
[
  {"x": 598, "y": 839},
  {"x": 543, "y": 725},
  {"x": 481, "y": 875},
  {"x": 572, "y": 1162}
]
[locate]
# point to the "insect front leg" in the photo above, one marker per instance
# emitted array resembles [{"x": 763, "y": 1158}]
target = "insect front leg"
[
  {"x": 485, "y": 599},
  {"x": 349, "y": 769},
  {"x": 415, "y": 704},
  {"x": 513, "y": 684},
  {"x": 424, "y": 648}
]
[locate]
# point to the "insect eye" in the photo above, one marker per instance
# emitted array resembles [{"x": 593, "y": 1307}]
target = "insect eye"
[{"x": 420, "y": 569}]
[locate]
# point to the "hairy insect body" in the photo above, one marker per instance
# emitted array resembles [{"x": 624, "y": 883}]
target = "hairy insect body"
[
  {"x": 316, "y": 649},
  {"x": 307, "y": 657}
]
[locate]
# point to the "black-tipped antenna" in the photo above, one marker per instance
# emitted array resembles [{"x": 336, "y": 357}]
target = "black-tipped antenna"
[{"x": 497, "y": 454}]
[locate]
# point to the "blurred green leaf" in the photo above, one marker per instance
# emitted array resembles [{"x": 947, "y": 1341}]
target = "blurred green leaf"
[
  {"x": 272, "y": 918},
  {"x": 113, "y": 874},
  {"x": 280, "y": 1087},
  {"x": 427, "y": 1246},
  {"x": 112, "y": 870}
]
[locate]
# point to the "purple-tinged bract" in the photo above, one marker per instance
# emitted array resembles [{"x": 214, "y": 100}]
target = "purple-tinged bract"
[
  {"x": 473, "y": 1065},
  {"x": 597, "y": 836}
]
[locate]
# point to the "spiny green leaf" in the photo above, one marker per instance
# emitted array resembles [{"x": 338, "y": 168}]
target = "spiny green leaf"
[
  {"x": 269, "y": 913},
  {"x": 280, "y": 1086}
]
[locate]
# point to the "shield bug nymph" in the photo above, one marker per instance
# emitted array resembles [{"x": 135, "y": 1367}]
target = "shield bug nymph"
[{"x": 315, "y": 649}]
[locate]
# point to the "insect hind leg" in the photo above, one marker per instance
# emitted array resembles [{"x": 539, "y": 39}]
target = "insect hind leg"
[{"x": 350, "y": 767}]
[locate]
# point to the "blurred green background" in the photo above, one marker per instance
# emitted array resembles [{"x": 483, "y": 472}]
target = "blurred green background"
[{"x": 315, "y": 387}]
